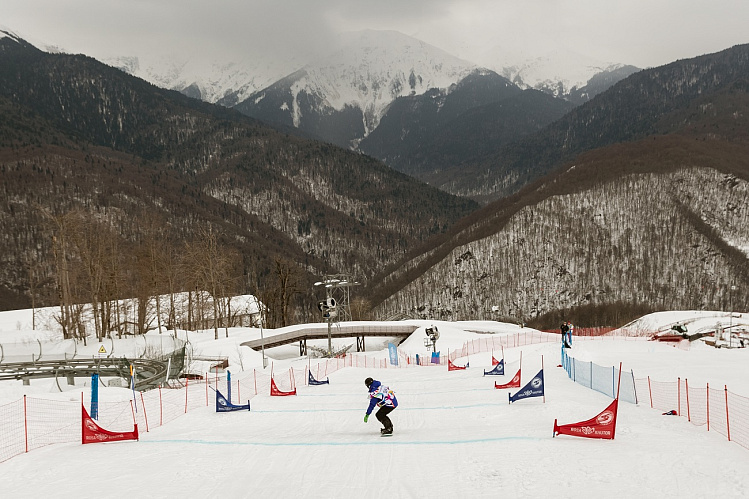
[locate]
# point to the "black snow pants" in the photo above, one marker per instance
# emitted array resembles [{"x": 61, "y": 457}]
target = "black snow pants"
[{"x": 382, "y": 417}]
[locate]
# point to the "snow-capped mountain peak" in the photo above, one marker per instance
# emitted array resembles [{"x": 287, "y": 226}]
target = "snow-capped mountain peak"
[
  {"x": 557, "y": 72},
  {"x": 373, "y": 68},
  {"x": 19, "y": 38}
]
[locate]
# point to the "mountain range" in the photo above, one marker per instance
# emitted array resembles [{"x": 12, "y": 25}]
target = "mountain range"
[
  {"x": 636, "y": 197},
  {"x": 228, "y": 81},
  {"x": 382, "y": 84}
]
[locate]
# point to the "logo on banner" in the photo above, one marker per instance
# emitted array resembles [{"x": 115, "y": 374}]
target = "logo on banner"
[
  {"x": 605, "y": 418},
  {"x": 536, "y": 383}
]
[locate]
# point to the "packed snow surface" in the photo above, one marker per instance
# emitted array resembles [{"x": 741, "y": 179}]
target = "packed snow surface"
[{"x": 455, "y": 435}]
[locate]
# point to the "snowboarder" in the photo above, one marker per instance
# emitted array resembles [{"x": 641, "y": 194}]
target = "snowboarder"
[{"x": 384, "y": 398}]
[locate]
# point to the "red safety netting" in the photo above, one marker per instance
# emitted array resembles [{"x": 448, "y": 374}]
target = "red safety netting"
[
  {"x": 12, "y": 433},
  {"x": 52, "y": 422}
]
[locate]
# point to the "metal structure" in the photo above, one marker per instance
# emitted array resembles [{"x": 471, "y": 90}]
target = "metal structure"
[
  {"x": 432, "y": 336},
  {"x": 149, "y": 373},
  {"x": 335, "y": 307},
  {"x": 311, "y": 332}
]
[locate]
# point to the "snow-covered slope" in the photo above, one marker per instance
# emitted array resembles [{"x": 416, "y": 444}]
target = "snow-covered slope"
[
  {"x": 557, "y": 72},
  {"x": 375, "y": 67},
  {"x": 213, "y": 80},
  {"x": 20, "y": 38}
]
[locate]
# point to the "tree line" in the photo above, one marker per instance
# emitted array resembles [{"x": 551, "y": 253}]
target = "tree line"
[{"x": 153, "y": 282}]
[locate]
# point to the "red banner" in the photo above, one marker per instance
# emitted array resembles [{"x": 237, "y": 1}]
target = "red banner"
[
  {"x": 453, "y": 367},
  {"x": 513, "y": 383},
  {"x": 601, "y": 426},
  {"x": 93, "y": 433},
  {"x": 495, "y": 362},
  {"x": 274, "y": 391}
]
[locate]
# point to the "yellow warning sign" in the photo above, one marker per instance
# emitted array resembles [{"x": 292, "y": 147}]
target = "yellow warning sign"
[{"x": 102, "y": 349}]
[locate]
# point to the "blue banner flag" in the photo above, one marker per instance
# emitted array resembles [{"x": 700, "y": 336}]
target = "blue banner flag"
[
  {"x": 435, "y": 357},
  {"x": 534, "y": 388},
  {"x": 313, "y": 381},
  {"x": 499, "y": 369},
  {"x": 393, "y": 354},
  {"x": 223, "y": 405}
]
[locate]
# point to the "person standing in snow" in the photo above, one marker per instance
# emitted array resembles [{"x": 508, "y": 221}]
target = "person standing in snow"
[
  {"x": 384, "y": 398},
  {"x": 564, "y": 328}
]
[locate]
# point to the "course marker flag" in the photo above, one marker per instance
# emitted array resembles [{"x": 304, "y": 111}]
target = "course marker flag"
[
  {"x": 313, "y": 381},
  {"x": 223, "y": 405},
  {"x": 91, "y": 432},
  {"x": 602, "y": 426},
  {"x": 499, "y": 369},
  {"x": 453, "y": 367},
  {"x": 274, "y": 391},
  {"x": 513, "y": 383},
  {"x": 534, "y": 388}
]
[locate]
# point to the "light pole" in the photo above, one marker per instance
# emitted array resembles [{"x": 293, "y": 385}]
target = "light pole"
[
  {"x": 262, "y": 339},
  {"x": 730, "y": 317},
  {"x": 332, "y": 309}
]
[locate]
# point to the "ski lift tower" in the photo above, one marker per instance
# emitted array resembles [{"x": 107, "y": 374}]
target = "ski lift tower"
[{"x": 335, "y": 307}]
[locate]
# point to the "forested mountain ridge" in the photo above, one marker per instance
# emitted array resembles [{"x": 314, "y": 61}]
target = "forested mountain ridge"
[
  {"x": 662, "y": 223},
  {"x": 650, "y": 102},
  {"x": 658, "y": 216},
  {"x": 79, "y": 136},
  {"x": 427, "y": 134}
]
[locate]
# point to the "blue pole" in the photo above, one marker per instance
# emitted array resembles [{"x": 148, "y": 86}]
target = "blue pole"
[
  {"x": 94, "y": 396},
  {"x": 228, "y": 386}
]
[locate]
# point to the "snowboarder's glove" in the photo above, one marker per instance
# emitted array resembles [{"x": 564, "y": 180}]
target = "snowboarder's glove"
[{"x": 366, "y": 417}]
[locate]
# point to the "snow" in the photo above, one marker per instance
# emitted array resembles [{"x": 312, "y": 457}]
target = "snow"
[
  {"x": 373, "y": 69},
  {"x": 455, "y": 435},
  {"x": 547, "y": 71}
]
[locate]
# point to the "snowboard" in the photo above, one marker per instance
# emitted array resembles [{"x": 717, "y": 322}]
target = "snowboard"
[{"x": 386, "y": 434}]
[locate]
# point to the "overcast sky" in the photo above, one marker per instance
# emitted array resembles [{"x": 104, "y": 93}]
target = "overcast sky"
[{"x": 644, "y": 33}]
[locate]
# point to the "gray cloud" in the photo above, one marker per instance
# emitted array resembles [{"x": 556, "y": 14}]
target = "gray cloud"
[{"x": 640, "y": 32}]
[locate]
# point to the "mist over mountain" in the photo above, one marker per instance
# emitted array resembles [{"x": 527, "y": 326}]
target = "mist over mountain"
[
  {"x": 342, "y": 98},
  {"x": 562, "y": 74}
]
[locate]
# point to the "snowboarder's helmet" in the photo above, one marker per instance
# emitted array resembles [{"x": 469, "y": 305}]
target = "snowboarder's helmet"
[{"x": 368, "y": 382}]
